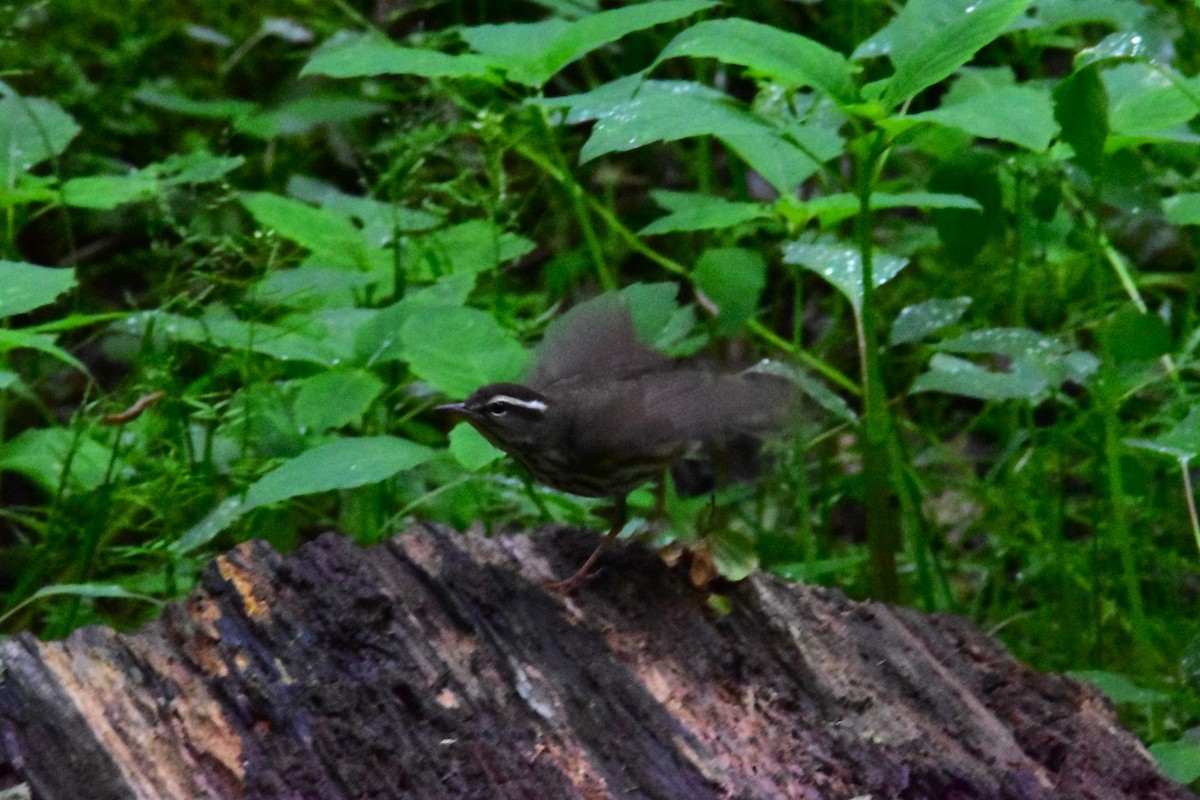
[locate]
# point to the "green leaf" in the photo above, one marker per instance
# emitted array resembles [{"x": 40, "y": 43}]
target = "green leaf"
[
  {"x": 168, "y": 98},
  {"x": 1022, "y": 115},
  {"x": 1126, "y": 44},
  {"x": 474, "y": 246},
  {"x": 663, "y": 111},
  {"x": 1181, "y": 441},
  {"x": 109, "y": 191},
  {"x": 1081, "y": 108},
  {"x": 691, "y": 211},
  {"x": 334, "y": 238},
  {"x": 918, "y": 321},
  {"x": 841, "y": 265},
  {"x": 334, "y": 399},
  {"x": 32, "y": 130},
  {"x": 471, "y": 450},
  {"x": 1179, "y": 760},
  {"x": 786, "y": 58},
  {"x": 40, "y": 454},
  {"x": 929, "y": 39},
  {"x": 1145, "y": 103},
  {"x": 1131, "y": 336},
  {"x": 958, "y": 376},
  {"x": 24, "y": 287},
  {"x": 302, "y": 116},
  {"x": 109, "y": 590},
  {"x": 457, "y": 350},
  {"x": 1120, "y": 14},
  {"x": 531, "y": 53},
  {"x": 831, "y": 209},
  {"x": 24, "y": 339},
  {"x": 1182, "y": 209},
  {"x": 340, "y": 464},
  {"x": 1119, "y": 688},
  {"x": 229, "y": 332},
  {"x": 733, "y": 279},
  {"x": 371, "y": 55}
]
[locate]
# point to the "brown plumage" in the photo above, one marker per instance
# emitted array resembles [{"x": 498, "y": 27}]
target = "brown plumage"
[{"x": 601, "y": 413}]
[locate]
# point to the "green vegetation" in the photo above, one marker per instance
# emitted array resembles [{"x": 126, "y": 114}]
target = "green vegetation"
[{"x": 967, "y": 227}]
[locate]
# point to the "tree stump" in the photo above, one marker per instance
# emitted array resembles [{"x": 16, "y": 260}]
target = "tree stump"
[{"x": 435, "y": 666}]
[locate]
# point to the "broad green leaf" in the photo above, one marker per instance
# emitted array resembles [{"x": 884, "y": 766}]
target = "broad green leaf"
[
  {"x": 24, "y": 339},
  {"x": 733, "y": 278},
  {"x": 690, "y": 211},
  {"x": 32, "y": 130},
  {"x": 380, "y": 221},
  {"x": 929, "y": 39},
  {"x": 1116, "y": 46},
  {"x": 40, "y": 454},
  {"x": 457, "y": 350},
  {"x": 1182, "y": 209},
  {"x": 376, "y": 56},
  {"x": 340, "y": 464},
  {"x": 1120, "y": 14},
  {"x": 477, "y": 245},
  {"x": 1081, "y": 108},
  {"x": 1011, "y": 342},
  {"x": 310, "y": 287},
  {"x": 918, "y": 321},
  {"x": 470, "y": 449},
  {"x": 821, "y": 394},
  {"x": 299, "y": 117},
  {"x": 229, "y": 332},
  {"x": 168, "y": 98},
  {"x": 662, "y": 111},
  {"x": 320, "y": 230},
  {"x": 211, "y": 526},
  {"x": 379, "y": 341},
  {"x": 958, "y": 376},
  {"x": 1181, "y": 441},
  {"x": 334, "y": 399},
  {"x": 1038, "y": 363},
  {"x": 657, "y": 317},
  {"x": 24, "y": 287},
  {"x": 1119, "y": 688},
  {"x": 198, "y": 166},
  {"x": 831, "y": 209},
  {"x": 1131, "y": 336},
  {"x": 786, "y": 58},
  {"x": 109, "y": 191},
  {"x": 841, "y": 265},
  {"x": 1144, "y": 102},
  {"x": 1179, "y": 760},
  {"x": 531, "y": 53},
  {"x": 1022, "y": 115}
]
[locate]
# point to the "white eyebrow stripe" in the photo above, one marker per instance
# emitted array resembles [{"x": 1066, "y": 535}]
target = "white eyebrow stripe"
[{"x": 532, "y": 405}]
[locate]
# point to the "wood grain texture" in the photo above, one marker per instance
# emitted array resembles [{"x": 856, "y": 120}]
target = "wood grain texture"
[{"x": 435, "y": 666}]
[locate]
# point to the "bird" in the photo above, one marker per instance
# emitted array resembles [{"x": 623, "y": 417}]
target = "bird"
[{"x": 601, "y": 413}]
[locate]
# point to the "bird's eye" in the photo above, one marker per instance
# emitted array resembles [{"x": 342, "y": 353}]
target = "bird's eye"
[{"x": 496, "y": 409}]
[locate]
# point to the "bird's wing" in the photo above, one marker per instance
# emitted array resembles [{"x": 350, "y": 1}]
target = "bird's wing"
[{"x": 594, "y": 340}]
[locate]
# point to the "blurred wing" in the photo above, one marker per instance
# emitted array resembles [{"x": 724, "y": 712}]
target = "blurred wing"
[
  {"x": 687, "y": 408},
  {"x": 595, "y": 339}
]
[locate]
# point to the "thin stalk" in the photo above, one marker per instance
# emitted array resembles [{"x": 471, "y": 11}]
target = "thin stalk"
[
  {"x": 1190, "y": 495},
  {"x": 1122, "y": 536},
  {"x": 883, "y": 532}
]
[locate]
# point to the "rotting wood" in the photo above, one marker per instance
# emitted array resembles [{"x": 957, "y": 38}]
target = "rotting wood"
[{"x": 435, "y": 666}]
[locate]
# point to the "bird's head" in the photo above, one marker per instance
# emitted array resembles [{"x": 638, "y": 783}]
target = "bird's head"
[{"x": 509, "y": 415}]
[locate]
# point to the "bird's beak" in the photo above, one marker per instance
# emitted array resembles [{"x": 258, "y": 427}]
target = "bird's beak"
[{"x": 457, "y": 409}]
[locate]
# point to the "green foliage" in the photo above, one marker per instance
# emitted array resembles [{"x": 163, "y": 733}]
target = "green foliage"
[{"x": 242, "y": 257}]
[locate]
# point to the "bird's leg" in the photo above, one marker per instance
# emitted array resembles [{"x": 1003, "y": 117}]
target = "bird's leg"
[{"x": 619, "y": 517}]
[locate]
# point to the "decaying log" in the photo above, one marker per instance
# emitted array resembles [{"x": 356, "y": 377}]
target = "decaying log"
[{"x": 435, "y": 666}]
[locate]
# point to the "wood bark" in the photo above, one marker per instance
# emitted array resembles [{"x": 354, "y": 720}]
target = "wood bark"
[{"x": 435, "y": 666}]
